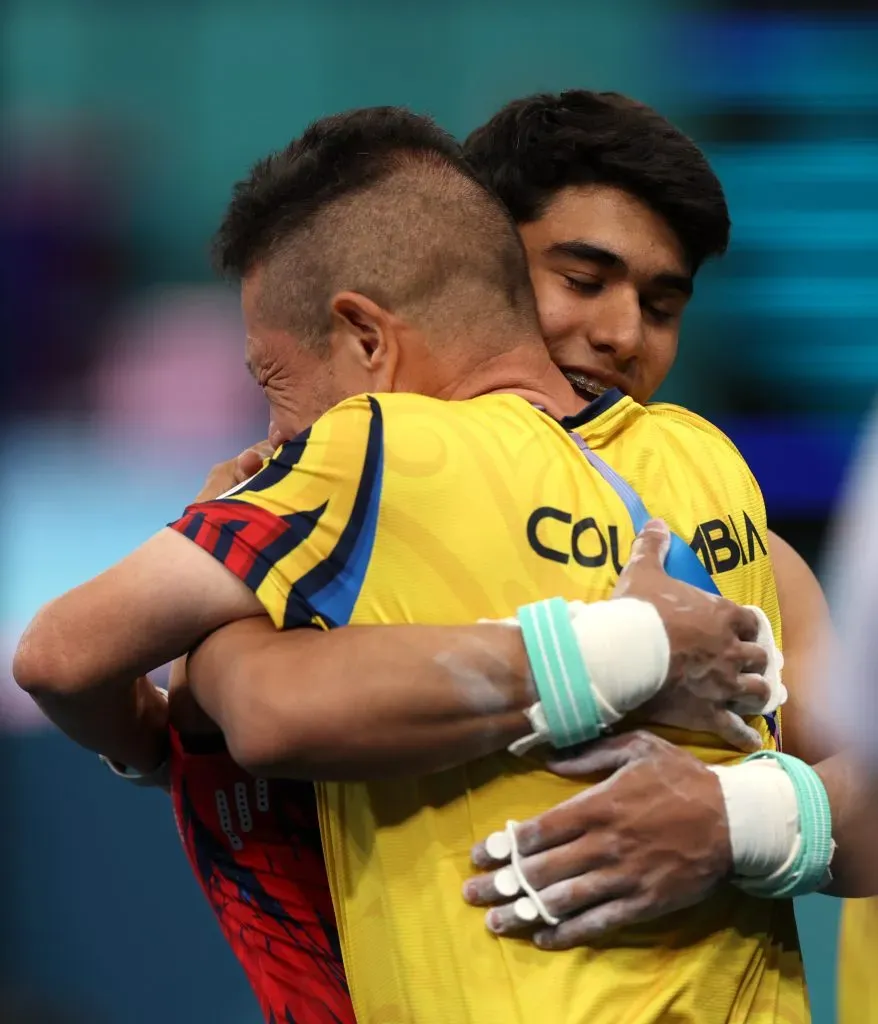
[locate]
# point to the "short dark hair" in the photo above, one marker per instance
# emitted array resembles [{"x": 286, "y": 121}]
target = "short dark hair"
[
  {"x": 537, "y": 146},
  {"x": 378, "y": 201}
]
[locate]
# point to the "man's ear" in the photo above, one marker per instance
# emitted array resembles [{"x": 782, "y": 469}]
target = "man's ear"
[{"x": 366, "y": 334}]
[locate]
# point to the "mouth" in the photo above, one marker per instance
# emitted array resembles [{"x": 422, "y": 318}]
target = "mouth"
[{"x": 585, "y": 385}]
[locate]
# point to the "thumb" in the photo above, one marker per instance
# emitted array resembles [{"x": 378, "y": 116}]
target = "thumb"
[
  {"x": 651, "y": 544},
  {"x": 265, "y": 449},
  {"x": 275, "y": 436},
  {"x": 250, "y": 462}
]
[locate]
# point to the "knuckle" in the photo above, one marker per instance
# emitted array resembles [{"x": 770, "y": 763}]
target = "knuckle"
[
  {"x": 561, "y": 898},
  {"x": 537, "y": 871},
  {"x": 642, "y": 741},
  {"x": 529, "y": 833}
]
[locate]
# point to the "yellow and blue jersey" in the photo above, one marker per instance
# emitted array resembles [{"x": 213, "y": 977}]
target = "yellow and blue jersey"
[{"x": 401, "y": 508}]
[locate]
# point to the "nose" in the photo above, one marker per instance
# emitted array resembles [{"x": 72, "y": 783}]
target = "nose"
[{"x": 617, "y": 326}]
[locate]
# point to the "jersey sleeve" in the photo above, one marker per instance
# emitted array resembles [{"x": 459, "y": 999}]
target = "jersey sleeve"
[{"x": 300, "y": 532}]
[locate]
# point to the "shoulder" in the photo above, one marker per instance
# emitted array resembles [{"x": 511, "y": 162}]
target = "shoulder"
[
  {"x": 362, "y": 410},
  {"x": 346, "y": 427},
  {"x": 683, "y": 421},
  {"x": 690, "y": 428}
]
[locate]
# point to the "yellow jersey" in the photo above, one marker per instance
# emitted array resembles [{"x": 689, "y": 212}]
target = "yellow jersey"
[
  {"x": 401, "y": 508},
  {"x": 857, "y": 950}
]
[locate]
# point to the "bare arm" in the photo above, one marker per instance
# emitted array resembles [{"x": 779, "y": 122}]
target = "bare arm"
[
  {"x": 807, "y": 631},
  {"x": 80, "y": 654},
  {"x": 365, "y": 701}
]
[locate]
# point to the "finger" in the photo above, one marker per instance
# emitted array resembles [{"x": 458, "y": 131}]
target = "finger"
[
  {"x": 745, "y": 623},
  {"x": 652, "y": 544},
  {"x": 591, "y": 924},
  {"x": 577, "y": 894},
  {"x": 752, "y": 694},
  {"x": 248, "y": 463},
  {"x": 569, "y": 860},
  {"x": 482, "y": 859},
  {"x": 607, "y": 755},
  {"x": 507, "y": 920},
  {"x": 735, "y": 731},
  {"x": 588, "y": 890},
  {"x": 562, "y": 824},
  {"x": 265, "y": 449},
  {"x": 577, "y": 815},
  {"x": 275, "y": 437},
  {"x": 752, "y": 657},
  {"x": 495, "y": 887}
]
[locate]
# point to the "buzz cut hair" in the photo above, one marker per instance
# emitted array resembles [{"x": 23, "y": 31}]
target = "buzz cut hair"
[{"x": 378, "y": 201}]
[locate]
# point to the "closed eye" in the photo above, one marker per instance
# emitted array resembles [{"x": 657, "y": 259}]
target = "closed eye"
[
  {"x": 660, "y": 316},
  {"x": 582, "y": 287}
]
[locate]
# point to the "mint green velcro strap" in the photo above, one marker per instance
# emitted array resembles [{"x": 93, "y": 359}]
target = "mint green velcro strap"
[
  {"x": 560, "y": 674},
  {"x": 810, "y": 868}
]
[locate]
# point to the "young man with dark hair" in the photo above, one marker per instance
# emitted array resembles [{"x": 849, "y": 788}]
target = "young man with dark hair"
[
  {"x": 360, "y": 520},
  {"x": 618, "y": 210},
  {"x": 614, "y": 205}
]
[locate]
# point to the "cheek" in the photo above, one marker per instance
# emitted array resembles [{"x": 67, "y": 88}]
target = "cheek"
[
  {"x": 294, "y": 410},
  {"x": 556, "y": 307},
  {"x": 660, "y": 353},
  {"x": 349, "y": 377}
]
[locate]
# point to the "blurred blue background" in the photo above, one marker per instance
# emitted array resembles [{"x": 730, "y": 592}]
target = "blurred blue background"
[{"x": 124, "y": 127}]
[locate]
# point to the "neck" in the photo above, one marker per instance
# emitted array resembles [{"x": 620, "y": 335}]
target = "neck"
[{"x": 525, "y": 370}]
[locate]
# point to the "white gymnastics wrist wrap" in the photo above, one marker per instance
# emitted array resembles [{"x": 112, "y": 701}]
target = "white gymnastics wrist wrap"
[
  {"x": 591, "y": 663},
  {"x": 626, "y": 648},
  {"x": 780, "y": 826}
]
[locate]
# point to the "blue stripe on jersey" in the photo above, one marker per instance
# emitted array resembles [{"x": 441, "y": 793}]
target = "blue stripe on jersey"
[
  {"x": 226, "y": 538},
  {"x": 288, "y": 456},
  {"x": 193, "y": 526},
  {"x": 330, "y": 590},
  {"x": 596, "y": 407}
]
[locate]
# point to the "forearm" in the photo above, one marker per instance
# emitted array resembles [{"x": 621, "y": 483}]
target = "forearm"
[
  {"x": 854, "y": 811},
  {"x": 127, "y": 724},
  {"x": 363, "y": 701},
  {"x": 852, "y": 802},
  {"x": 91, "y": 686},
  {"x": 80, "y": 655},
  {"x": 144, "y": 612}
]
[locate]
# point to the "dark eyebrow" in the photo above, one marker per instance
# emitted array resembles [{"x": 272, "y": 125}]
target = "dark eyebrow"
[
  {"x": 675, "y": 282},
  {"x": 588, "y": 253}
]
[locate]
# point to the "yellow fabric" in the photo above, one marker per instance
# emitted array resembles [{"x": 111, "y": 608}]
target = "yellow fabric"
[
  {"x": 857, "y": 955},
  {"x": 459, "y": 483}
]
